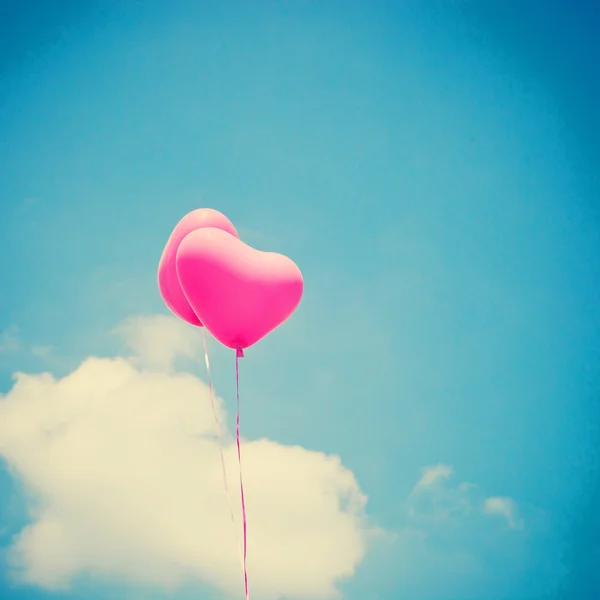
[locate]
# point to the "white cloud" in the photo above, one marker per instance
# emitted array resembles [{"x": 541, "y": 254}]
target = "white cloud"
[
  {"x": 505, "y": 507},
  {"x": 158, "y": 340},
  {"x": 432, "y": 497},
  {"x": 435, "y": 498},
  {"x": 121, "y": 458},
  {"x": 453, "y": 541},
  {"x": 431, "y": 475}
]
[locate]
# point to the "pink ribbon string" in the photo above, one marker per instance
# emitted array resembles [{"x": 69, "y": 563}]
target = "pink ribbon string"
[
  {"x": 220, "y": 436},
  {"x": 239, "y": 353}
]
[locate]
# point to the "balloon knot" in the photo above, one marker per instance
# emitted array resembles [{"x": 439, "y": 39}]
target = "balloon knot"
[{"x": 239, "y": 352}]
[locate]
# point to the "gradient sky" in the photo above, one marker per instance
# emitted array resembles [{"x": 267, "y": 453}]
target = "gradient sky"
[{"x": 432, "y": 167}]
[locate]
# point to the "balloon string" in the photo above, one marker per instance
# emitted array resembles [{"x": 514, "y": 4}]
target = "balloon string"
[
  {"x": 240, "y": 354},
  {"x": 220, "y": 436}
]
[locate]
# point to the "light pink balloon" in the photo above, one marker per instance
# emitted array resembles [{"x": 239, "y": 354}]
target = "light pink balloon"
[
  {"x": 239, "y": 293},
  {"x": 168, "y": 282}
]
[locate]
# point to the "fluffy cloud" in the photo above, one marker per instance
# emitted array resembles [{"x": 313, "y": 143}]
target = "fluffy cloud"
[
  {"x": 461, "y": 536},
  {"x": 121, "y": 458},
  {"x": 504, "y": 507},
  {"x": 436, "y": 498},
  {"x": 158, "y": 340}
]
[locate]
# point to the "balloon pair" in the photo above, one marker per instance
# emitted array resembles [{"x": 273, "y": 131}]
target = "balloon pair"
[{"x": 208, "y": 277}]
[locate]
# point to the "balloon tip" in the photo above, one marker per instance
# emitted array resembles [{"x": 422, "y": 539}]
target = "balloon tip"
[{"x": 239, "y": 352}]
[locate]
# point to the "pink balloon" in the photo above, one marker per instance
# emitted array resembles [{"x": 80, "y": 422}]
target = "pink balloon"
[
  {"x": 239, "y": 293},
  {"x": 168, "y": 282}
]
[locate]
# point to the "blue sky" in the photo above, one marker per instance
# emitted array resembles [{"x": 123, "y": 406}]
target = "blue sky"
[{"x": 433, "y": 170}]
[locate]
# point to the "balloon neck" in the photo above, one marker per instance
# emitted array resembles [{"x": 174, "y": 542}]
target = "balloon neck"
[{"x": 239, "y": 352}]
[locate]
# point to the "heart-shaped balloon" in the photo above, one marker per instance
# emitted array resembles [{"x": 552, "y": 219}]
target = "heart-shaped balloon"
[
  {"x": 168, "y": 281},
  {"x": 239, "y": 293}
]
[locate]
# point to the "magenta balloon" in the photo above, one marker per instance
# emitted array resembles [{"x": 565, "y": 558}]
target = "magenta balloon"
[
  {"x": 239, "y": 293},
  {"x": 168, "y": 282}
]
